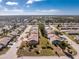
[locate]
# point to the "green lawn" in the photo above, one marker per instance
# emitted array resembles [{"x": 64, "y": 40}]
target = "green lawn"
[
  {"x": 44, "y": 48},
  {"x": 72, "y": 37}
]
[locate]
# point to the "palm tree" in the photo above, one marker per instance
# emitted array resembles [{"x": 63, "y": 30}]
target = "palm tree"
[
  {"x": 4, "y": 31},
  {"x": 63, "y": 44}
]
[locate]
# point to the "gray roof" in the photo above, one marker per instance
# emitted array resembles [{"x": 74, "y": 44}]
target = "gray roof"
[
  {"x": 14, "y": 33},
  {"x": 5, "y": 40},
  {"x": 1, "y": 46},
  {"x": 77, "y": 37}
]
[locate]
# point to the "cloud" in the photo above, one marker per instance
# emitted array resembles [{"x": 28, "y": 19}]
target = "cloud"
[
  {"x": 0, "y": 0},
  {"x": 29, "y": 12},
  {"x": 12, "y": 12},
  {"x": 11, "y": 3},
  {"x": 2, "y": 8},
  {"x": 28, "y": 6},
  {"x": 6, "y": 11},
  {"x": 49, "y": 10},
  {"x": 32, "y": 1},
  {"x": 29, "y": 2}
]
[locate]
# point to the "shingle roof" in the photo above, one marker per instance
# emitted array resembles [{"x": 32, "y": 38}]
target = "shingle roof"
[{"x": 5, "y": 40}]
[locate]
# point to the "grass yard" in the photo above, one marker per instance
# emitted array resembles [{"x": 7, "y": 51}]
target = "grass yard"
[
  {"x": 3, "y": 51},
  {"x": 44, "y": 48},
  {"x": 72, "y": 37}
]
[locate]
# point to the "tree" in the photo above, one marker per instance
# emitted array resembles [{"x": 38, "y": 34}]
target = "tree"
[
  {"x": 41, "y": 27},
  {"x": 4, "y": 31},
  {"x": 63, "y": 44}
]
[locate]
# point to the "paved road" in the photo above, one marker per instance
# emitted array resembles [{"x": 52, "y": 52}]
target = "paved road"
[
  {"x": 75, "y": 46},
  {"x": 11, "y": 54}
]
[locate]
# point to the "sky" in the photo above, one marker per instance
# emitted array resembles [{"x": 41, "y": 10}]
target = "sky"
[{"x": 39, "y": 7}]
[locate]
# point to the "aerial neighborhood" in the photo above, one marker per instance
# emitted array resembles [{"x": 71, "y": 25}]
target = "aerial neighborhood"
[{"x": 25, "y": 36}]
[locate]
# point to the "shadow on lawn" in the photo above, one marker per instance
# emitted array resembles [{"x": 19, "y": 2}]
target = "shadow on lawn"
[
  {"x": 63, "y": 46},
  {"x": 69, "y": 55}
]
